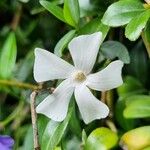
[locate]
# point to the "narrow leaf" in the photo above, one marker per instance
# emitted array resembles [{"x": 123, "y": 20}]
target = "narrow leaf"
[
  {"x": 54, "y": 132},
  {"x": 53, "y": 9},
  {"x": 71, "y": 12},
  {"x": 25, "y": 67},
  {"x": 63, "y": 42},
  {"x": 28, "y": 139},
  {"x": 8, "y": 56}
]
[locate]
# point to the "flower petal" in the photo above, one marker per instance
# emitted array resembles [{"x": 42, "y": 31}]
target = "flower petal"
[
  {"x": 6, "y": 141},
  {"x": 108, "y": 78},
  {"x": 84, "y": 50},
  {"x": 55, "y": 106},
  {"x": 90, "y": 107},
  {"x": 3, "y": 147},
  {"x": 48, "y": 66}
]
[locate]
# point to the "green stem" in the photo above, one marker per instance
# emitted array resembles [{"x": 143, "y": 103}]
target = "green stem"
[
  {"x": 20, "y": 84},
  {"x": 12, "y": 115}
]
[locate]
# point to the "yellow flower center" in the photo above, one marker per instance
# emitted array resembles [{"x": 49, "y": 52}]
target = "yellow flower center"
[{"x": 79, "y": 76}]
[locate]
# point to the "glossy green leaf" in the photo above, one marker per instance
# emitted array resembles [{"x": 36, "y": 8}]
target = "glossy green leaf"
[
  {"x": 136, "y": 25},
  {"x": 71, "y": 12},
  {"x": 63, "y": 42},
  {"x": 42, "y": 123},
  {"x": 53, "y": 9},
  {"x": 102, "y": 139},
  {"x": 94, "y": 26},
  {"x": 126, "y": 124},
  {"x": 121, "y": 12},
  {"x": 130, "y": 86},
  {"x": 8, "y": 55},
  {"x": 113, "y": 49},
  {"x": 136, "y": 139},
  {"x": 54, "y": 132},
  {"x": 138, "y": 106},
  {"x": 139, "y": 64}
]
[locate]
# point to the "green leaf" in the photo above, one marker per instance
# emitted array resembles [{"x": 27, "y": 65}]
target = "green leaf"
[
  {"x": 113, "y": 49},
  {"x": 147, "y": 31},
  {"x": 102, "y": 138},
  {"x": 84, "y": 137},
  {"x": 54, "y": 132},
  {"x": 42, "y": 123},
  {"x": 8, "y": 56},
  {"x": 136, "y": 139},
  {"x": 121, "y": 12},
  {"x": 147, "y": 148},
  {"x": 74, "y": 124},
  {"x": 126, "y": 124},
  {"x": 28, "y": 140},
  {"x": 131, "y": 86},
  {"x": 139, "y": 64},
  {"x": 134, "y": 28},
  {"x": 53, "y": 9},
  {"x": 71, "y": 12},
  {"x": 25, "y": 67},
  {"x": 94, "y": 26},
  {"x": 63, "y": 42},
  {"x": 137, "y": 106}
]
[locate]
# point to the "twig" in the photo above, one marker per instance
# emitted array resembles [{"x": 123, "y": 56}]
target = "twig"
[
  {"x": 20, "y": 84},
  {"x": 16, "y": 18},
  {"x": 34, "y": 120}
]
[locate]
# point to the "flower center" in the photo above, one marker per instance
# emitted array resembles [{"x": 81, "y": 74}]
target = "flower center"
[{"x": 79, "y": 76}]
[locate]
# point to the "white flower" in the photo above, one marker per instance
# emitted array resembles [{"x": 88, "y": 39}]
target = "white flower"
[{"x": 84, "y": 50}]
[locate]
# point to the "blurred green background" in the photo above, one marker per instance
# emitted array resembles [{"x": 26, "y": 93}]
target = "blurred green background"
[{"x": 27, "y": 24}]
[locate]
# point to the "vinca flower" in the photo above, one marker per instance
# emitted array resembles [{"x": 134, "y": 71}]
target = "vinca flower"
[
  {"x": 6, "y": 143},
  {"x": 78, "y": 79}
]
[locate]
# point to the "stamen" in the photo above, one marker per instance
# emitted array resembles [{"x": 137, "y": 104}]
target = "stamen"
[{"x": 79, "y": 76}]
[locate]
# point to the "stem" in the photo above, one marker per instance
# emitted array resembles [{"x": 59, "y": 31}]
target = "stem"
[
  {"x": 20, "y": 118},
  {"x": 16, "y": 18},
  {"x": 103, "y": 97},
  {"x": 20, "y": 84},
  {"x": 111, "y": 125},
  {"x": 34, "y": 120},
  {"x": 12, "y": 115},
  {"x": 147, "y": 44}
]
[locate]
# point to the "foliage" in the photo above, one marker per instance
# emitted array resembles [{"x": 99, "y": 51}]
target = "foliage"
[{"x": 51, "y": 24}]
